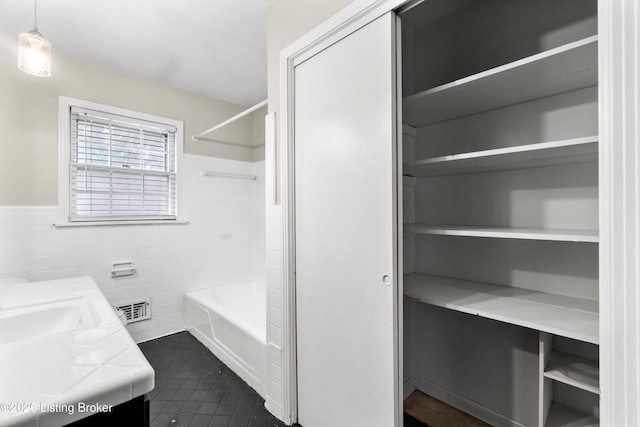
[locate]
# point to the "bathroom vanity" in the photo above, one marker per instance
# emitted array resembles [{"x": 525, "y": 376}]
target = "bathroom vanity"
[{"x": 65, "y": 356}]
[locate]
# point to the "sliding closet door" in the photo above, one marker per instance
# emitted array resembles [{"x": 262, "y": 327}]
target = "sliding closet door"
[{"x": 345, "y": 213}]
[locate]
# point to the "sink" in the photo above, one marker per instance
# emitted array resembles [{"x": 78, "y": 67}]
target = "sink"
[
  {"x": 61, "y": 345},
  {"x": 38, "y": 320}
]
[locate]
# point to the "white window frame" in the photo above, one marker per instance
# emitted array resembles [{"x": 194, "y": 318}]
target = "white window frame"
[{"x": 64, "y": 157}]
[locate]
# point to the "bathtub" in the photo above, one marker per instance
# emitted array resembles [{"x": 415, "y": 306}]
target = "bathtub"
[{"x": 231, "y": 321}]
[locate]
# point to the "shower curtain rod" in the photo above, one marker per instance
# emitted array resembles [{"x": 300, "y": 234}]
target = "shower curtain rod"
[{"x": 232, "y": 119}]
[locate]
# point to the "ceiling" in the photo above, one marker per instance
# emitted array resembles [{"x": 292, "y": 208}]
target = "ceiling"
[{"x": 212, "y": 47}]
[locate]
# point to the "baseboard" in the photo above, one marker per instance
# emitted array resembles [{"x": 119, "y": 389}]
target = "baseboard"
[
  {"x": 168, "y": 332},
  {"x": 274, "y": 408},
  {"x": 408, "y": 387},
  {"x": 462, "y": 403}
]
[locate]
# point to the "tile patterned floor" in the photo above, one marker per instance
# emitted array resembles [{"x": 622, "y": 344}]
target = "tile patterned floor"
[{"x": 195, "y": 389}]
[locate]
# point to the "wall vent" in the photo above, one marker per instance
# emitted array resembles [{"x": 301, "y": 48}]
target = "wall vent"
[{"x": 135, "y": 311}]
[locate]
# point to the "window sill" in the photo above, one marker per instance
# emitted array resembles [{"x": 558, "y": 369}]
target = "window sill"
[{"x": 64, "y": 224}]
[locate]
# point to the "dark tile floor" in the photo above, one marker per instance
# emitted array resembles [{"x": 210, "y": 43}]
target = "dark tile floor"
[
  {"x": 194, "y": 388},
  {"x": 409, "y": 421}
]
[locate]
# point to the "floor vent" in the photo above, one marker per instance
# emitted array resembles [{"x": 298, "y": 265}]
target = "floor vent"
[{"x": 135, "y": 311}]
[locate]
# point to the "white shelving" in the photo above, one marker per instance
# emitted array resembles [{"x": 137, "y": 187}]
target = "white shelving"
[
  {"x": 562, "y": 416},
  {"x": 507, "y": 111},
  {"x": 409, "y": 181},
  {"x": 565, "y": 68},
  {"x": 576, "y": 150},
  {"x": 568, "y": 383},
  {"x": 588, "y": 236},
  {"x": 574, "y": 370},
  {"x": 570, "y": 317}
]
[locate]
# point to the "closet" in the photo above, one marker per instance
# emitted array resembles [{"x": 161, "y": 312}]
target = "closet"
[
  {"x": 500, "y": 208},
  {"x": 441, "y": 201}
]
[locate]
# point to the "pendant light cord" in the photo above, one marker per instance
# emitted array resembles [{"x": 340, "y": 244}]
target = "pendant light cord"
[{"x": 35, "y": 14}]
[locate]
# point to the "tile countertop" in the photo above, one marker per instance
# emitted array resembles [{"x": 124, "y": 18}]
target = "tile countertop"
[{"x": 60, "y": 377}]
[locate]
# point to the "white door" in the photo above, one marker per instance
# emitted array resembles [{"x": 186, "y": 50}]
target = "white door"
[{"x": 345, "y": 233}]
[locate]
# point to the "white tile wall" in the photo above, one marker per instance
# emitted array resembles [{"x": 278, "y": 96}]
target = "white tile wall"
[
  {"x": 169, "y": 258},
  {"x": 275, "y": 388},
  {"x": 259, "y": 223}
]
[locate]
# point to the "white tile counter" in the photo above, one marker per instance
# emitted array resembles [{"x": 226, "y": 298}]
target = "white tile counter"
[{"x": 64, "y": 354}]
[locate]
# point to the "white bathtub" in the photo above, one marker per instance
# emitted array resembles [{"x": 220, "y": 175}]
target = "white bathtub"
[{"x": 231, "y": 321}]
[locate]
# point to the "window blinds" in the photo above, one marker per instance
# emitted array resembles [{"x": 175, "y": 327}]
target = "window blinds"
[{"x": 121, "y": 168}]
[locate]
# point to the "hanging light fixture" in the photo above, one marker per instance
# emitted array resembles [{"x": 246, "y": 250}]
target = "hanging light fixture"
[{"x": 34, "y": 51}]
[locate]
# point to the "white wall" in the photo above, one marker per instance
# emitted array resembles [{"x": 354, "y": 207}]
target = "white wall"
[
  {"x": 29, "y": 120},
  {"x": 170, "y": 259}
]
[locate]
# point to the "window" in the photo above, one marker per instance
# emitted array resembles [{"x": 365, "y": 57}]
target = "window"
[{"x": 117, "y": 166}]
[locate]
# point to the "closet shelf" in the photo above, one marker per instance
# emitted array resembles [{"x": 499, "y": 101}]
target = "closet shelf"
[
  {"x": 562, "y": 416},
  {"x": 576, "y": 150},
  {"x": 569, "y": 67},
  {"x": 565, "y": 316},
  {"x": 409, "y": 181},
  {"x": 574, "y": 370},
  {"x": 587, "y": 236}
]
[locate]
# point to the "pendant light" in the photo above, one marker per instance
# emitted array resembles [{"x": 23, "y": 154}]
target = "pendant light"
[{"x": 34, "y": 51}]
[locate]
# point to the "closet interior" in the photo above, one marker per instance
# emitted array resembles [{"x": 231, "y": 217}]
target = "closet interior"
[{"x": 500, "y": 208}]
